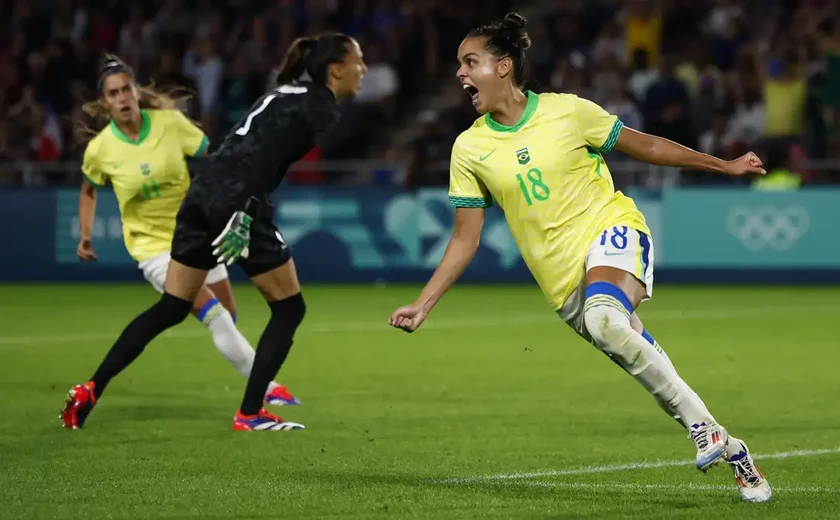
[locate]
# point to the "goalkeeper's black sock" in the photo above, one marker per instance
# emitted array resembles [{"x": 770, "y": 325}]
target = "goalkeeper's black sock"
[
  {"x": 275, "y": 344},
  {"x": 167, "y": 312}
]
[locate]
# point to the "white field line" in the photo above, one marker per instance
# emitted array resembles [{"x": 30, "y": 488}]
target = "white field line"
[
  {"x": 611, "y": 468},
  {"x": 443, "y": 324},
  {"x": 672, "y": 487}
]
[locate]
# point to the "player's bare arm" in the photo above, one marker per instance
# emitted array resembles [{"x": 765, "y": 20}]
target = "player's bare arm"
[
  {"x": 657, "y": 150},
  {"x": 458, "y": 255},
  {"x": 87, "y": 211}
]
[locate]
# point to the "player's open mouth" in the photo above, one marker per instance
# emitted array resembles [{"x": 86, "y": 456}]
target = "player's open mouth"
[{"x": 473, "y": 93}]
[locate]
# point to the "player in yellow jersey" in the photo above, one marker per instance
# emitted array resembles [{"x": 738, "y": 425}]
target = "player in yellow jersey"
[
  {"x": 141, "y": 152},
  {"x": 588, "y": 246}
]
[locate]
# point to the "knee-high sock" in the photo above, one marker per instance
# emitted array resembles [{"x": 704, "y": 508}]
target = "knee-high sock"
[
  {"x": 272, "y": 349},
  {"x": 650, "y": 339},
  {"x": 167, "y": 312},
  {"x": 607, "y": 317},
  {"x": 227, "y": 338}
]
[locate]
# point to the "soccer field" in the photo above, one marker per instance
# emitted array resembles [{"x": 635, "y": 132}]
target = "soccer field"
[{"x": 494, "y": 409}]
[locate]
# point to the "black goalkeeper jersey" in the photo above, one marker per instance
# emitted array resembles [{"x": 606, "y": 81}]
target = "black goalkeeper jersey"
[{"x": 281, "y": 127}]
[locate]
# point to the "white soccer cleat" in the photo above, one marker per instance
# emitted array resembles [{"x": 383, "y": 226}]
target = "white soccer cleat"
[
  {"x": 751, "y": 482},
  {"x": 710, "y": 440}
]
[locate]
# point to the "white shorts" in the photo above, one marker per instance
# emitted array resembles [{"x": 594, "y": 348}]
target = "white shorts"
[
  {"x": 619, "y": 247},
  {"x": 154, "y": 270}
]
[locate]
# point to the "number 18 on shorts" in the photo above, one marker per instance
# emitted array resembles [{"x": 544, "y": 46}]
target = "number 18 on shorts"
[{"x": 624, "y": 248}]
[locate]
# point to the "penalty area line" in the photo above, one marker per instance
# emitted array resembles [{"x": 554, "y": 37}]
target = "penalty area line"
[{"x": 611, "y": 468}]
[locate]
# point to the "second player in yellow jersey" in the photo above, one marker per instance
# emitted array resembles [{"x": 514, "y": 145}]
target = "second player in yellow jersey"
[
  {"x": 588, "y": 246},
  {"x": 149, "y": 175}
]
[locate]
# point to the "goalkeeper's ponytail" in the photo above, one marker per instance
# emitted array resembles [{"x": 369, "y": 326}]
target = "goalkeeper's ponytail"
[{"x": 312, "y": 56}]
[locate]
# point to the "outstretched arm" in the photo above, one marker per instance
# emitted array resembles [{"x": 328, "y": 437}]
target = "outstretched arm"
[
  {"x": 657, "y": 150},
  {"x": 458, "y": 255}
]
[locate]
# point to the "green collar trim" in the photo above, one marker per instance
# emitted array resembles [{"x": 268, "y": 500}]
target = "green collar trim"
[
  {"x": 530, "y": 108},
  {"x": 145, "y": 128}
]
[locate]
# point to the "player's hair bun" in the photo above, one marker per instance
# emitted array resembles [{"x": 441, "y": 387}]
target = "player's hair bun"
[
  {"x": 515, "y": 19},
  {"x": 513, "y": 25},
  {"x": 506, "y": 38}
]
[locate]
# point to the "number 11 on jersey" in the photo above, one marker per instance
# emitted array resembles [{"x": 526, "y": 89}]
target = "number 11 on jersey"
[{"x": 151, "y": 190}]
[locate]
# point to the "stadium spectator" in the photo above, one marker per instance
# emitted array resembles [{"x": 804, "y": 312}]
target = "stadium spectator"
[
  {"x": 666, "y": 107},
  {"x": 643, "y": 28}
]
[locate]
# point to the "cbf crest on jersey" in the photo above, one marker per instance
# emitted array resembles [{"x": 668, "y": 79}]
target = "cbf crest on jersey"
[{"x": 523, "y": 156}]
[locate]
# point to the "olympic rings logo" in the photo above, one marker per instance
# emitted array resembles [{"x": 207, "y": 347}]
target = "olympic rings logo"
[{"x": 768, "y": 227}]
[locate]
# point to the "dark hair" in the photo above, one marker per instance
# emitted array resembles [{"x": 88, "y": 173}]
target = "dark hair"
[
  {"x": 507, "y": 39},
  {"x": 111, "y": 64},
  {"x": 313, "y": 56}
]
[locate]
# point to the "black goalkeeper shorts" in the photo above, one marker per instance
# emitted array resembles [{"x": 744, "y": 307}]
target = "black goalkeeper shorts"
[{"x": 198, "y": 224}]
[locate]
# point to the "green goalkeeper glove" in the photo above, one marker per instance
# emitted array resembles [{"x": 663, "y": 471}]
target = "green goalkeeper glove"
[{"x": 232, "y": 243}]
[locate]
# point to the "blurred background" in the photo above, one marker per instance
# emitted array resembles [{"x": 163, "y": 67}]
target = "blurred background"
[
  {"x": 389, "y": 415},
  {"x": 721, "y": 76}
]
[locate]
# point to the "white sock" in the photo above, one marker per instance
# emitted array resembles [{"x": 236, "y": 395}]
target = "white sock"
[
  {"x": 646, "y": 335},
  {"x": 608, "y": 321},
  {"x": 228, "y": 340}
]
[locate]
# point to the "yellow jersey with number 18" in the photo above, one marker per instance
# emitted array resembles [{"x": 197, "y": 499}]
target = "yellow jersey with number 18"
[
  {"x": 149, "y": 176},
  {"x": 550, "y": 179}
]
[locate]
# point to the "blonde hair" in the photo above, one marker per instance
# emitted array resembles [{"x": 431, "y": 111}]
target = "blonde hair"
[{"x": 99, "y": 117}]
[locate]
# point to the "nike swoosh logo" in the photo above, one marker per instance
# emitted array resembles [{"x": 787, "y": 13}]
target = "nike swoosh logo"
[{"x": 486, "y": 156}]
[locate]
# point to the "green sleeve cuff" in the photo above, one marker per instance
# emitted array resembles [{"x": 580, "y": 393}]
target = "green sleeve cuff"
[
  {"x": 95, "y": 185},
  {"x": 202, "y": 148},
  {"x": 613, "y": 137},
  {"x": 470, "y": 202}
]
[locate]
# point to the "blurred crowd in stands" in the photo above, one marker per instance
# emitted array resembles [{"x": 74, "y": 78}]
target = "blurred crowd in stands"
[{"x": 722, "y": 76}]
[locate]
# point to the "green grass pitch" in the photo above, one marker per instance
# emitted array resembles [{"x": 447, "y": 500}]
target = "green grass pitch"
[{"x": 419, "y": 426}]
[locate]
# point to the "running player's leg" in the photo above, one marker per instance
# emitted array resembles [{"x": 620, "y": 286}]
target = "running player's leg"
[
  {"x": 752, "y": 485},
  {"x": 216, "y": 309},
  {"x": 183, "y": 285},
  {"x": 271, "y": 269},
  {"x": 218, "y": 318},
  {"x": 209, "y": 311},
  {"x": 619, "y": 277},
  {"x": 219, "y": 283},
  {"x": 186, "y": 274},
  {"x": 637, "y": 325}
]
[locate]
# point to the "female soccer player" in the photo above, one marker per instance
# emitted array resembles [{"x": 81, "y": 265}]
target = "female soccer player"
[
  {"x": 229, "y": 201},
  {"x": 588, "y": 247},
  {"x": 141, "y": 152}
]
